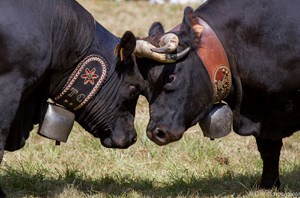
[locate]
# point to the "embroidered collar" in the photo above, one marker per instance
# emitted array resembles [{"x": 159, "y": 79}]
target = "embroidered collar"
[{"x": 84, "y": 82}]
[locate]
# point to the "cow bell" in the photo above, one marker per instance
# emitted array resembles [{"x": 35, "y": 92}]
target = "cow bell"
[
  {"x": 57, "y": 123},
  {"x": 218, "y": 123}
]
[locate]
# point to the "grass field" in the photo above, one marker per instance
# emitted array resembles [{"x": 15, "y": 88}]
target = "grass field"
[{"x": 191, "y": 167}]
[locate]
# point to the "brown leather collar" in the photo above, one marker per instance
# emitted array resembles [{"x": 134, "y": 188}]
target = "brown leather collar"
[{"x": 215, "y": 60}]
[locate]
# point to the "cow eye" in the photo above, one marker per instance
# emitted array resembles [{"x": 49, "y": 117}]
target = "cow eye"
[
  {"x": 170, "y": 78},
  {"x": 133, "y": 90}
]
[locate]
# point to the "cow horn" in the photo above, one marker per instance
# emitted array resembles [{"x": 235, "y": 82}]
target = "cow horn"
[
  {"x": 143, "y": 50},
  {"x": 168, "y": 43}
]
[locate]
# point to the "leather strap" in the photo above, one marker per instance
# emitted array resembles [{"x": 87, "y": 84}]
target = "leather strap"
[
  {"x": 84, "y": 82},
  {"x": 215, "y": 60}
]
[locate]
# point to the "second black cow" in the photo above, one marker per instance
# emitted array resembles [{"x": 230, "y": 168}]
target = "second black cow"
[{"x": 246, "y": 53}]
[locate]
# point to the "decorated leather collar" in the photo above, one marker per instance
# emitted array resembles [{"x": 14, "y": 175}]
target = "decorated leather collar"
[
  {"x": 214, "y": 58},
  {"x": 84, "y": 82}
]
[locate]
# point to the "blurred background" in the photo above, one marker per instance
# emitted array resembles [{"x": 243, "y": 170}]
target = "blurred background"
[
  {"x": 168, "y": 1},
  {"x": 137, "y": 15}
]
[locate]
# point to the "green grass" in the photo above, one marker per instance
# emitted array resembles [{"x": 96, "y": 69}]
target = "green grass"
[{"x": 191, "y": 167}]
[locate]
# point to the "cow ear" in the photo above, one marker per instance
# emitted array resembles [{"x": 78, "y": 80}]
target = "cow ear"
[
  {"x": 187, "y": 16},
  {"x": 156, "y": 29},
  {"x": 191, "y": 27},
  {"x": 126, "y": 46}
]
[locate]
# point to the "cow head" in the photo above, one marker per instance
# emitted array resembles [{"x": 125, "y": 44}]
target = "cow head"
[
  {"x": 180, "y": 92},
  {"x": 109, "y": 113}
]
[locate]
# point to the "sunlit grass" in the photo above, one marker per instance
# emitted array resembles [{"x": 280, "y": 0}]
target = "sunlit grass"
[{"x": 191, "y": 167}]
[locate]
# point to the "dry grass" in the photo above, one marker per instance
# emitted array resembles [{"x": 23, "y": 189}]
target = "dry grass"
[
  {"x": 136, "y": 16},
  {"x": 191, "y": 167}
]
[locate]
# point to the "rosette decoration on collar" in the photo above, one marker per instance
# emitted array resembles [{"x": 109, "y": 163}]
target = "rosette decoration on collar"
[{"x": 83, "y": 83}]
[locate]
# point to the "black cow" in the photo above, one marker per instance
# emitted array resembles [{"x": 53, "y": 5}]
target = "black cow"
[
  {"x": 55, "y": 49},
  {"x": 243, "y": 70}
]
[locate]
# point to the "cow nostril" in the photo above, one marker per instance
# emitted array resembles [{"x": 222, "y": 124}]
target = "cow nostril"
[{"x": 160, "y": 133}]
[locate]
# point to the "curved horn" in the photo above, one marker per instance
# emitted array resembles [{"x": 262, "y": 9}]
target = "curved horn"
[
  {"x": 179, "y": 55},
  {"x": 143, "y": 49},
  {"x": 168, "y": 43}
]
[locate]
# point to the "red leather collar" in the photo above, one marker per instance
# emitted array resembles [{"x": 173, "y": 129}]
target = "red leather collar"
[{"x": 215, "y": 60}]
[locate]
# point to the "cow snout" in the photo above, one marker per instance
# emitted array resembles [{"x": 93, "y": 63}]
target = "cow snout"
[
  {"x": 124, "y": 142},
  {"x": 119, "y": 141},
  {"x": 162, "y": 136}
]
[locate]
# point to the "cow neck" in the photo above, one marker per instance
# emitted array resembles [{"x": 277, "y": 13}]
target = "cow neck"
[
  {"x": 214, "y": 58},
  {"x": 84, "y": 82}
]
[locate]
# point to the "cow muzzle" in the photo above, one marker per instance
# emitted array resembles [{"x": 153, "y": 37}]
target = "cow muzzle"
[
  {"x": 109, "y": 140},
  {"x": 161, "y": 135}
]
